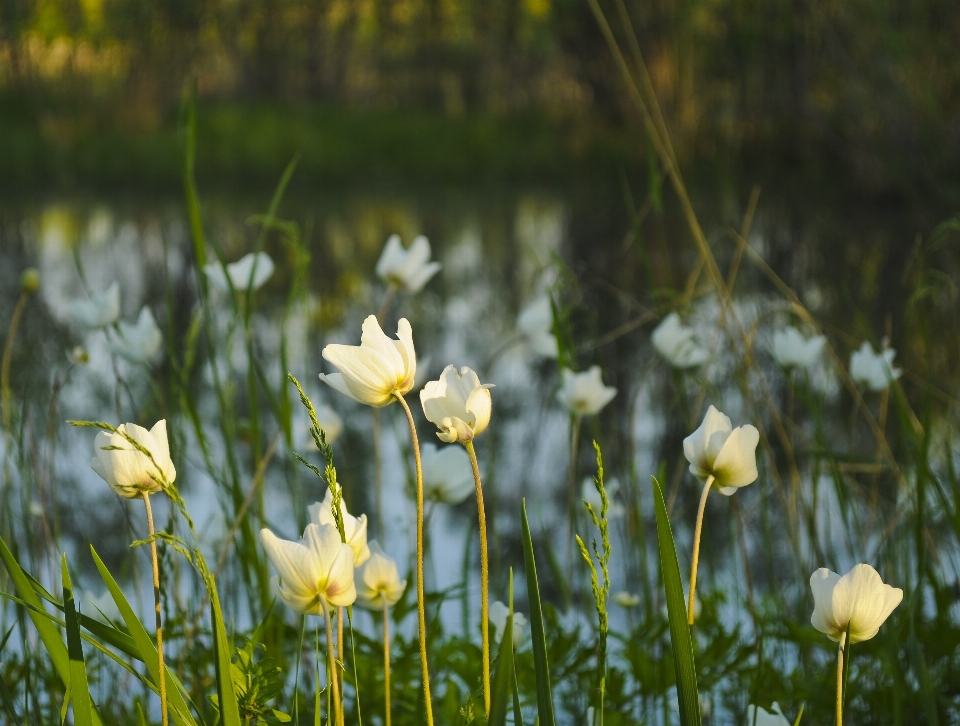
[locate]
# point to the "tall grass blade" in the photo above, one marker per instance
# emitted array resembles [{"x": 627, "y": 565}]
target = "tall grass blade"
[
  {"x": 687, "y": 695},
  {"x": 503, "y": 677},
  {"x": 541, "y": 664},
  {"x": 226, "y": 695},
  {"x": 79, "y": 686}
]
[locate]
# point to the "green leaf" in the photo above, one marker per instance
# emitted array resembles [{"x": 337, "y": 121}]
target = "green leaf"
[
  {"x": 541, "y": 664},
  {"x": 226, "y": 695},
  {"x": 79, "y": 687},
  {"x": 687, "y": 695},
  {"x": 49, "y": 633},
  {"x": 503, "y": 677}
]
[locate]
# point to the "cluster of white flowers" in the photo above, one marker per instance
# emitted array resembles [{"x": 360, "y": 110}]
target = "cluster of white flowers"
[{"x": 137, "y": 342}]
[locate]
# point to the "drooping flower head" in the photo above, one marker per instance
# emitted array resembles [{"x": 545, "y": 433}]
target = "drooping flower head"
[
  {"x": 354, "y": 528},
  {"x": 379, "y": 580},
  {"x": 873, "y": 370},
  {"x": 584, "y": 393},
  {"x": 727, "y": 454},
  {"x": 138, "y": 342},
  {"x": 458, "y": 404},
  {"x": 313, "y": 574},
  {"x": 249, "y": 272},
  {"x": 678, "y": 343},
  {"x": 408, "y": 270},
  {"x": 859, "y": 601},
  {"x": 101, "y": 310},
  {"x": 447, "y": 475},
  {"x": 126, "y": 468},
  {"x": 377, "y": 369},
  {"x": 791, "y": 349}
]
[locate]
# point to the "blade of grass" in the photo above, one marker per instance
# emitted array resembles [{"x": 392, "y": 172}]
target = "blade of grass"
[
  {"x": 687, "y": 695},
  {"x": 79, "y": 686},
  {"x": 503, "y": 677},
  {"x": 541, "y": 663},
  {"x": 226, "y": 695}
]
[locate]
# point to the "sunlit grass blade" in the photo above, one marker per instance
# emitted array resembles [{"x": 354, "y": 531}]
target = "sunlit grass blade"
[
  {"x": 49, "y": 633},
  {"x": 687, "y": 695},
  {"x": 226, "y": 695},
  {"x": 503, "y": 677},
  {"x": 144, "y": 643},
  {"x": 79, "y": 686},
  {"x": 541, "y": 663}
]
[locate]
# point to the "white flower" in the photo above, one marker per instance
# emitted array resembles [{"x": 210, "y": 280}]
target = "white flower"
[
  {"x": 626, "y": 599},
  {"x": 498, "y": 618},
  {"x": 249, "y": 272},
  {"x": 378, "y": 368},
  {"x": 128, "y": 470},
  {"x": 757, "y": 716},
  {"x": 140, "y": 341},
  {"x": 354, "y": 528},
  {"x": 790, "y": 349},
  {"x": 584, "y": 393},
  {"x": 874, "y": 370},
  {"x": 727, "y": 454},
  {"x": 447, "y": 474},
  {"x": 589, "y": 494},
  {"x": 330, "y": 423},
  {"x": 859, "y": 601},
  {"x": 535, "y": 322},
  {"x": 458, "y": 404},
  {"x": 379, "y": 580},
  {"x": 313, "y": 574},
  {"x": 677, "y": 343},
  {"x": 101, "y": 310},
  {"x": 408, "y": 270}
]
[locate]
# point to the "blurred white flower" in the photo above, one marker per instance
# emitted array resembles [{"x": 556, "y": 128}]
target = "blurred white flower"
[
  {"x": 249, "y": 272},
  {"x": 79, "y": 356},
  {"x": 498, "y": 618},
  {"x": 36, "y": 508},
  {"x": 313, "y": 574},
  {"x": 406, "y": 269},
  {"x": 378, "y": 579},
  {"x": 757, "y": 716},
  {"x": 589, "y": 494},
  {"x": 101, "y": 310},
  {"x": 138, "y": 342},
  {"x": 330, "y": 423},
  {"x": 728, "y": 454},
  {"x": 584, "y": 393},
  {"x": 874, "y": 370},
  {"x": 626, "y": 599},
  {"x": 127, "y": 469},
  {"x": 458, "y": 404},
  {"x": 378, "y": 368},
  {"x": 678, "y": 344},
  {"x": 859, "y": 601},
  {"x": 535, "y": 322},
  {"x": 447, "y": 474},
  {"x": 354, "y": 528},
  {"x": 791, "y": 349}
]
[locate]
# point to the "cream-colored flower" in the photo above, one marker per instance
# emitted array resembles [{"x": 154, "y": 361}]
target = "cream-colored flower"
[
  {"x": 626, "y": 599},
  {"x": 313, "y": 574},
  {"x": 447, "y": 474},
  {"x": 757, "y": 716},
  {"x": 727, "y": 454},
  {"x": 458, "y": 404},
  {"x": 126, "y": 468},
  {"x": 138, "y": 342},
  {"x": 678, "y": 343},
  {"x": 859, "y": 601},
  {"x": 354, "y": 528},
  {"x": 590, "y": 495},
  {"x": 791, "y": 349},
  {"x": 377, "y": 369},
  {"x": 408, "y": 270},
  {"x": 247, "y": 273},
  {"x": 379, "y": 580},
  {"x": 101, "y": 310},
  {"x": 535, "y": 323},
  {"x": 584, "y": 393},
  {"x": 874, "y": 370},
  {"x": 498, "y": 618}
]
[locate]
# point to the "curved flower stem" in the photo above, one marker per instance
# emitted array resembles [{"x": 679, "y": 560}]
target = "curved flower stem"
[
  {"x": 840, "y": 681},
  {"x": 484, "y": 577},
  {"x": 386, "y": 661},
  {"x": 332, "y": 668},
  {"x": 156, "y": 599},
  {"x": 421, "y": 602},
  {"x": 696, "y": 548}
]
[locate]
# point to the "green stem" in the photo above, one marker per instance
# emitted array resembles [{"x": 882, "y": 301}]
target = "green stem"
[
  {"x": 840, "y": 681},
  {"x": 386, "y": 661},
  {"x": 484, "y": 577},
  {"x": 696, "y": 548},
  {"x": 8, "y": 357},
  {"x": 421, "y": 601},
  {"x": 332, "y": 679},
  {"x": 156, "y": 598}
]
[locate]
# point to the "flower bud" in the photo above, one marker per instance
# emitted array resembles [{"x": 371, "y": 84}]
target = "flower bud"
[{"x": 30, "y": 281}]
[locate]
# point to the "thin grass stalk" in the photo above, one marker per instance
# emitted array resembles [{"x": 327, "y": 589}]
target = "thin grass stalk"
[
  {"x": 332, "y": 679},
  {"x": 386, "y": 661},
  {"x": 421, "y": 600},
  {"x": 484, "y": 578},
  {"x": 156, "y": 599},
  {"x": 8, "y": 357},
  {"x": 695, "y": 560}
]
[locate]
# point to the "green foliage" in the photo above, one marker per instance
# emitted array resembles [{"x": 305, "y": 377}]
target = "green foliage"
[{"x": 540, "y": 658}]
